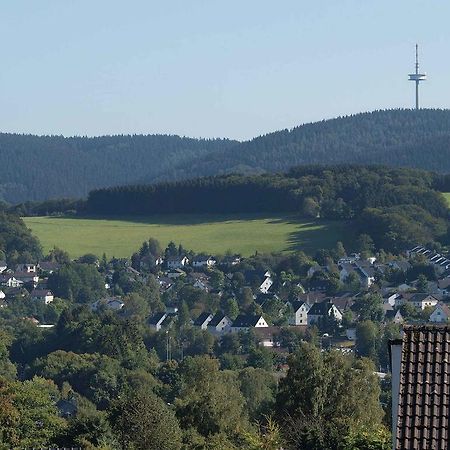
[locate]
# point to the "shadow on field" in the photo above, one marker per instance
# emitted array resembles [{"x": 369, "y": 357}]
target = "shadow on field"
[{"x": 325, "y": 236}]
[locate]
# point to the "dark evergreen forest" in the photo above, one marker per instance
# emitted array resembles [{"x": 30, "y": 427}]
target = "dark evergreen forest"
[
  {"x": 399, "y": 138},
  {"x": 43, "y": 167},
  {"x": 38, "y": 168}
]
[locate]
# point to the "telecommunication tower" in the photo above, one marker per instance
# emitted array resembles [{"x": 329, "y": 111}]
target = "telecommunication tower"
[{"x": 417, "y": 77}]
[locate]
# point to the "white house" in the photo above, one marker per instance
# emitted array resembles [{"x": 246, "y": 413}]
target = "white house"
[
  {"x": 266, "y": 284},
  {"x": 422, "y": 301},
  {"x": 300, "y": 316},
  {"x": 177, "y": 262},
  {"x": 319, "y": 311},
  {"x": 203, "y": 261},
  {"x": 3, "y": 266},
  {"x": 27, "y": 277},
  {"x": 155, "y": 322},
  {"x": 112, "y": 303},
  {"x": 219, "y": 324},
  {"x": 10, "y": 281},
  {"x": 2, "y": 295},
  {"x": 440, "y": 314},
  {"x": 203, "y": 320},
  {"x": 244, "y": 322},
  {"x": 42, "y": 295}
]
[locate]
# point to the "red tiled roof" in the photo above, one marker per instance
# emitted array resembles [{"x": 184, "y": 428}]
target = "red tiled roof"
[{"x": 424, "y": 396}]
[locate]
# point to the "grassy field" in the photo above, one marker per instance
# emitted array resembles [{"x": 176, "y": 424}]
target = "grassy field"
[
  {"x": 447, "y": 197},
  {"x": 243, "y": 233}
]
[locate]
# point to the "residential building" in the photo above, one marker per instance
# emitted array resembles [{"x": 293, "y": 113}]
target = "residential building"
[
  {"x": 203, "y": 261},
  {"x": 177, "y": 262},
  {"x": 42, "y": 295},
  {"x": 203, "y": 320},
  {"x": 300, "y": 314},
  {"x": 440, "y": 314},
  {"x": 320, "y": 311},
  {"x": 244, "y": 322},
  {"x": 219, "y": 324},
  {"x": 155, "y": 322}
]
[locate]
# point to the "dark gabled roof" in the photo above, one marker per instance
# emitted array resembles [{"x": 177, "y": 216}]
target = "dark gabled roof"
[
  {"x": 424, "y": 395},
  {"x": 216, "y": 320},
  {"x": 244, "y": 321},
  {"x": 297, "y": 305},
  {"x": 156, "y": 318},
  {"x": 201, "y": 319},
  {"x": 420, "y": 297},
  {"x": 320, "y": 309},
  {"x": 41, "y": 292}
]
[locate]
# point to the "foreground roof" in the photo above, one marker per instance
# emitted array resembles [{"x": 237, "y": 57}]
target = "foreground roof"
[{"x": 424, "y": 394}]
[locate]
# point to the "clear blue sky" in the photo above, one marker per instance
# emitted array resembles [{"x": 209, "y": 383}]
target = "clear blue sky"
[{"x": 235, "y": 68}]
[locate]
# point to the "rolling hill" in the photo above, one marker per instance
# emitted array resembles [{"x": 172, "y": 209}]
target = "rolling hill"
[
  {"x": 402, "y": 138},
  {"x": 43, "y": 167}
]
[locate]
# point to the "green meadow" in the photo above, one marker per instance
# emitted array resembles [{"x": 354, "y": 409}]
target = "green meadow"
[{"x": 216, "y": 234}]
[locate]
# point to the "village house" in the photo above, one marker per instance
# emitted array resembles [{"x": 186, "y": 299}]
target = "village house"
[
  {"x": 219, "y": 324},
  {"x": 268, "y": 336},
  {"x": 48, "y": 267},
  {"x": 27, "y": 277},
  {"x": 320, "y": 311},
  {"x": 2, "y": 295},
  {"x": 3, "y": 266},
  {"x": 300, "y": 315},
  {"x": 393, "y": 316},
  {"x": 440, "y": 314},
  {"x": 422, "y": 301},
  {"x": 42, "y": 295},
  {"x": 26, "y": 268},
  {"x": 200, "y": 281},
  {"x": 177, "y": 262},
  {"x": 155, "y": 322},
  {"x": 444, "y": 286},
  {"x": 112, "y": 303},
  {"x": 176, "y": 273},
  {"x": 230, "y": 260},
  {"x": 9, "y": 280},
  {"x": 244, "y": 322},
  {"x": 203, "y": 261},
  {"x": 202, "y": 320},
  {"x": 266, "y": 284}
]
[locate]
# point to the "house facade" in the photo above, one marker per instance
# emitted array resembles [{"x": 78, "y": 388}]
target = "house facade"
[{"x": 300, "y": 315}]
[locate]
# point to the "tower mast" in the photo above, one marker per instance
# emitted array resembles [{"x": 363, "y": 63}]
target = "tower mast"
[{"x": 417, "y": 77}]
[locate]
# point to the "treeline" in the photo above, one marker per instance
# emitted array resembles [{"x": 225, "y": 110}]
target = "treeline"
[
  {"x": 401, "y": 202},
  {"x": 42, "y": 167},
  {"x": 340, "y": 192}
]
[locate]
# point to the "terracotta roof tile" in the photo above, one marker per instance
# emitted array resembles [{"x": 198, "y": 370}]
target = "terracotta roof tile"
[{"x": 424, "y": 398}]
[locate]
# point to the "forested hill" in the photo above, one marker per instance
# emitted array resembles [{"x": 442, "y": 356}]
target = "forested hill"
[
  {"x": 38, "y": 168},
  {"x": 43, "y": 167},
  {"x": 407, "y": 138}
]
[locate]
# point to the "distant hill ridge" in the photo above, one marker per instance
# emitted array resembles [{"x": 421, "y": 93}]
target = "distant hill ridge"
[
  {"x": 409, "y": 138},
  {"x": 42, "y": 167}
]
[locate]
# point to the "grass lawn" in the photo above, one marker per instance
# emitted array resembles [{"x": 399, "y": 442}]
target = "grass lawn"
[
  {"x": 240, "y": 233},
  {"x": 447, "y": 197}
]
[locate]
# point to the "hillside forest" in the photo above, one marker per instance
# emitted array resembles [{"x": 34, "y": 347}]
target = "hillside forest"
[{"x": 48, "y": 167}]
